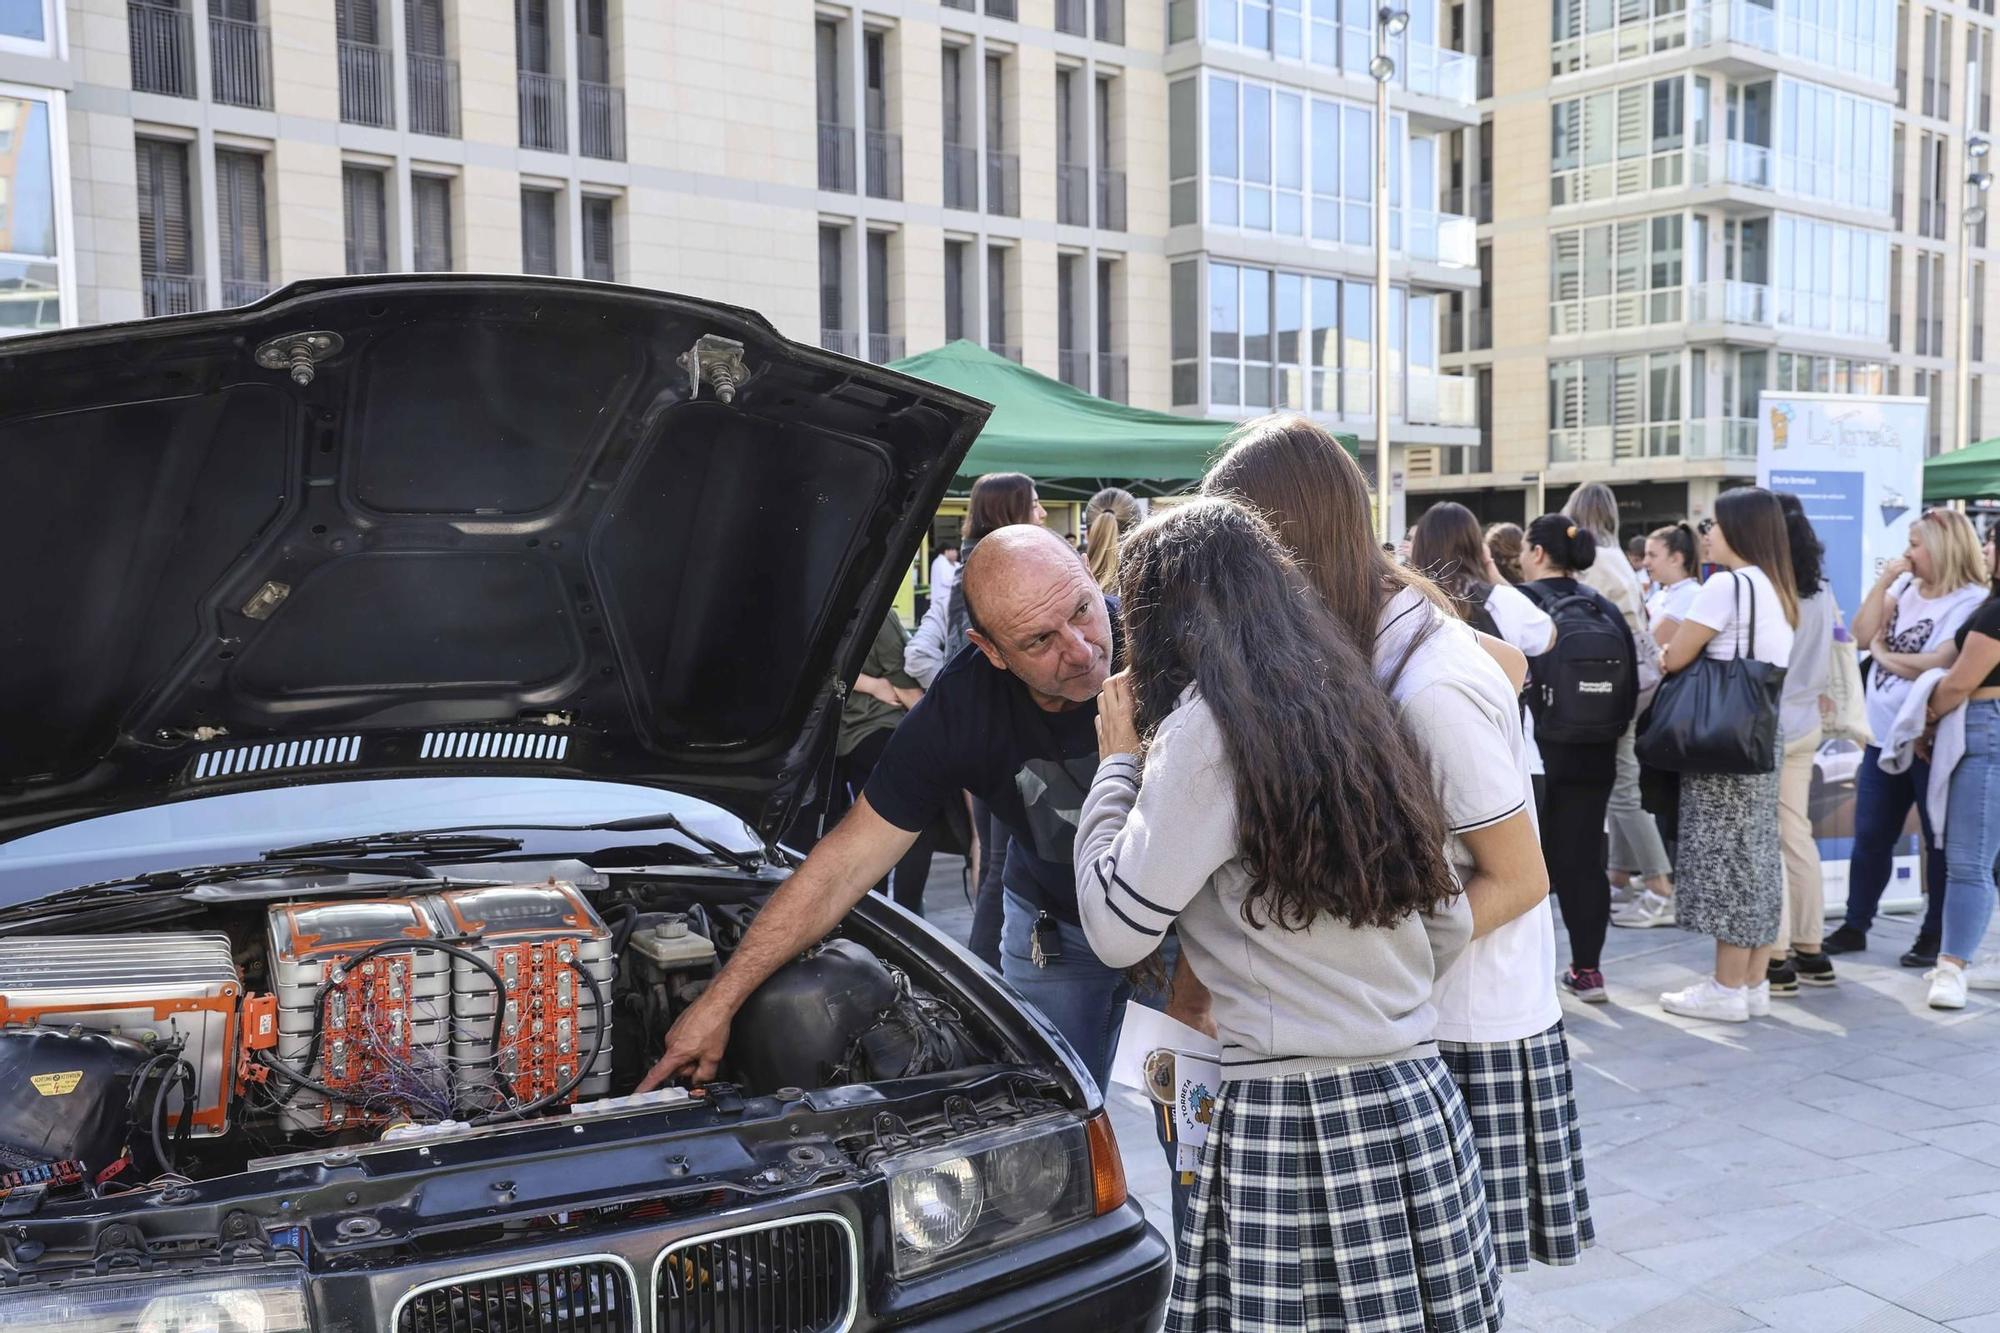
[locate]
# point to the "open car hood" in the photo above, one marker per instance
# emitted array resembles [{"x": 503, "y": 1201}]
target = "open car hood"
[{"x": 488, "y": 525}]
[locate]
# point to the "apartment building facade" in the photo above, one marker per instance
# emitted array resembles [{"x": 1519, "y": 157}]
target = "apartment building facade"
[{"x": 1684, "y": 202}]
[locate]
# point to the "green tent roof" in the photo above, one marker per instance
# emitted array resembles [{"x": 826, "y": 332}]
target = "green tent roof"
[
  {"x": 1971, "y": 473},
  {"x": 1058, "y": 434}
]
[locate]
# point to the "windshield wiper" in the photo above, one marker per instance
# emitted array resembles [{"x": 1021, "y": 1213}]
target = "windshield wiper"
[
  {"x": 163, "y": 883},
  {"x": 475, "y": 840},
  {"x": 426, "y": 842}
]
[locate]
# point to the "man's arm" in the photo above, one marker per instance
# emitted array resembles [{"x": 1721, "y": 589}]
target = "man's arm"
[{"x": 860, "y": 850}]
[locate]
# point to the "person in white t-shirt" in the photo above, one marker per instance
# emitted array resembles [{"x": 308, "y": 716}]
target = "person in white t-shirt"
[
  {"x": 1732, "y": 871},
  {"x": 944, "y": 571},
  {"x": 1908, "y": 620},
  {"x": 1499, "y": 1016}
]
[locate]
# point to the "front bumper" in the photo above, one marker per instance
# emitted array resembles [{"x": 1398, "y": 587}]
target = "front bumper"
[{"x": 1121, "y": 1291}]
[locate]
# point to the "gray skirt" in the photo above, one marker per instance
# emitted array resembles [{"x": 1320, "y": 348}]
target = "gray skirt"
[{"x": 1730, "y": 882}]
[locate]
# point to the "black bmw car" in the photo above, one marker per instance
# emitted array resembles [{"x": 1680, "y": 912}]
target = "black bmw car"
[{"x": 405, "y": 682}]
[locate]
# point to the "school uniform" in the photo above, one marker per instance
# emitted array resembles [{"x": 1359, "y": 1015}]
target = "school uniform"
[
  {"x": 1339, "y": 1188},
  {"x": 1499, "y": 1024}
]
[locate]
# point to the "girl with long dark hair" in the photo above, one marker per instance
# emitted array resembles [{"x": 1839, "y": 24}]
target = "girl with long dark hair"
[
  {"x": 1579, "y": 775},
  {"x": 1732, "y": 874},
  {"x": 1801, "y": 920},
  {"x": 1316, "y": 903},
  {"x": 1499, "y": 1018}
]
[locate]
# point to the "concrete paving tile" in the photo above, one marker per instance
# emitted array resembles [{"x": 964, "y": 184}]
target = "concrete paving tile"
[
  {"x": 1905, "y": 1163},
  {"x": 1885, "y": 1109},
  {"x": 1868, "y": 1259},
  {"x": 1939, "y": 1088},
  {"x": 1819, "y": 1131},
  {"x": 1761, "y": 1278},
  {"x": 1842, "y": 1189},
  {"x": 1919, "y": 1205},
  {"x": 1894, "y": 1319},
  {"x": 1698, "y": 1256},
  {"x": 1978, "y": 1141},
  {"x": 1959, "y": 1292},
  {"x": 1836, "y": 1307},
  {"x": 1599, "y": 1264},
  {"x": 1618, "y": 1301},
  {"x": 1979, "y": 1323},
  {"x": 1690, "y": 1313},
  {"x": 1961, "y": 1238}
]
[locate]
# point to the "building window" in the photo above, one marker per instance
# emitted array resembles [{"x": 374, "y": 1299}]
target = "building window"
[
  {"x": 364, "y": 197},
  {"x": 430, "y": 219},
  {"x": 1855, "y": 36},
  {"x": 997, "y": 324},
  {"x": 1832, "y": 145},
  {"x": 26, "y": 25},
  {"x": 1613, "y": 408},
  {"x": 30, "y": 258},
  {"x": 1184, "y": 318},
  {"x": 240, "y": 226},
  {"x": 1831, "y": 279},
  {"x": 957, "y": 290},
  {"x": 166, "y": 237},
  {"x": 1616, "y": 275},
  {"x": 835, "y": 334},
  {"x": 883, "y": 345},
  {"x": 1620, "y": 141},
  {"x": 538, "y": 231},
  {"x": 1072, "y": 360},
  {"x": 598, "y": 237}
]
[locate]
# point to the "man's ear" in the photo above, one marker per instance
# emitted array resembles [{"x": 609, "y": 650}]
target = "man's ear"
[{"x": 985, "y": 645}]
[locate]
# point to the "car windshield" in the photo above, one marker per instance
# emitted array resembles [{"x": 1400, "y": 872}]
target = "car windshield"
[{"x": 242, "y": 826}]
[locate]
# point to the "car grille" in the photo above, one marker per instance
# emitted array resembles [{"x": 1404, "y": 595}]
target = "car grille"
[
  {"x": 796, "y": 1277},
  {"x": 584, "y": 1297}
]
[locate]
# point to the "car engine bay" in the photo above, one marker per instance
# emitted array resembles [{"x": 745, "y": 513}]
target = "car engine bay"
[{"x": 252, "y": 1032}]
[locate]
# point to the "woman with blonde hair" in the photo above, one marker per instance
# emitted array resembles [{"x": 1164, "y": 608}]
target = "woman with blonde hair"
[
  {"x": 1111, "y": 514},
  {"x": 1908, "y": 620}
]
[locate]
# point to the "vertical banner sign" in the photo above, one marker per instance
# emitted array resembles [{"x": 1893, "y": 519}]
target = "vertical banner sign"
[{"x": 1856, "y": 462}]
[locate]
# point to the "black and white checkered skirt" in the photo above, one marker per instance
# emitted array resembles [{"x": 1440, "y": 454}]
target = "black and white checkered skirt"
[
  {"x": 1347, "y": 1200},
  {"x": 1523, "y": 1109}
]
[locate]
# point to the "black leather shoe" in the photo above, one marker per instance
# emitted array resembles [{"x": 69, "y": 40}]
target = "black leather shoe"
[
  {"x": 1845, "y": 939},
  {"x": 1922, "y": 954}
]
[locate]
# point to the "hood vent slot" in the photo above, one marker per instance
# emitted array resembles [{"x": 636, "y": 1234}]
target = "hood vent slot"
[
  {"x": 494, "y": 745},
  {"x": 323, "y": 752}
]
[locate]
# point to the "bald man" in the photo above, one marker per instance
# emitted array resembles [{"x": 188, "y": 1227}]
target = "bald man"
[{"x": 1011, "y": 719}]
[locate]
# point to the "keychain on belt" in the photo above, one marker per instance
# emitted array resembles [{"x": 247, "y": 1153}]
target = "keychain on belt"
[{"x": 1044, "y": 941}]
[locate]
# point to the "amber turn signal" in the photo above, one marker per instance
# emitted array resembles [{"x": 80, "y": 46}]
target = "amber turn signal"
[{"x": 1107, "y": 1168}]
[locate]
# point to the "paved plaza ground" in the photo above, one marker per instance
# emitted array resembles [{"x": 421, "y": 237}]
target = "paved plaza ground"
[{"x": 1834, "y": 1167}]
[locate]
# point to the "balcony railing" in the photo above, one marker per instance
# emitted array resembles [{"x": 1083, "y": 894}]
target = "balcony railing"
[
  {"x": 1731, "y": 302},
  {"x": 1072, "y": 195},
  {"x": 600, "y": 114},
  {"x": 844, "y": 341},
  {"x": 544, "y": 119},
  {"x": 1003, "y": 184},
  {"x": 1111, "y": 200},
  {"x": 172, "y": 293},
  {"x": 1439, "y": 400},
  {"x": 1441, "y": 238},
  {"x": 885, "y": 347},
  {"x": 1482, "y": 202},
  {"x": 162, "y": 49},
  {"x": 1436, "y": 71},
  {"x": 1706, "y": 23},
  {"x": 1113, "y": 378},
  {"x": 433, "y": 96},
  {"x": 367, "y": 85},
  {"x": 1073, "y": 17},
  {"x": 836, "y": 157},
  {"x": 961, "y": 176},
  {"x": 1073, "y": 369},
  {"x": 242, "y": 291},
  {"x": 239, "y": 57},
  {"x": 1012, "y": 351},
  {"x": 1480, "y": 332},
  {"x": 1701, "y": 439},
  {"x": 1111, "y": 21},
  {"x": 885, "y": 165}
]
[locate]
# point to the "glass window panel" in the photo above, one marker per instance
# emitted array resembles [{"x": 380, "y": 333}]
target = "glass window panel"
[
  {"x": 1185, "y": 281},
  {"x": 1183, "y": 129},
  {"x": 1222, "y": 20},
  {"x": 1257, "y": 24},
  {"x": 27, "y": 179},
  {"x": 24, "y": 19},
  {"x": 1223, "y": 129},
  {"x": 1324, "y": 341},
  {"x": 1288, "y": 141},
  {"x": 1256, "y": 314},
  {"x": 1288, "y": 29},
  {"x": 1256, "y": 134},
  {"x": 30, "y": 296},
  {"x": 1224, "y": 329}
]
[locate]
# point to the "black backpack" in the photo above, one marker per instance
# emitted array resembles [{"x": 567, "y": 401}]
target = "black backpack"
[
  {"x": 1474, "y": 612},
  {"x": 1585, "y": 689}
]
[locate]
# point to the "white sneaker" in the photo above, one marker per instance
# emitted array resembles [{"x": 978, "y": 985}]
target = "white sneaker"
[
  {"x": 1624, "y": 895},
  {"x": 1757, "y": 999},
  {"x": 1648, "y": 909},
  {"x": 1947, "y": 986},
  {"x": 1984, "y": 972},
  {"x": 1708, "y": 999}
]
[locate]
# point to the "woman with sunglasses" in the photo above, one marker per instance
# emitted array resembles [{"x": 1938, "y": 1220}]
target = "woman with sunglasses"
[
  {"x": 1908, "y": 621},
  {"x": 1732, "y": 874}
]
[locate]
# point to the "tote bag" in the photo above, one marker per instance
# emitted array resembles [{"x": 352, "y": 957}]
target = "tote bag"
[
  {"x": 1846, "y": 719},
  {"x": 1718, "y": 715}
]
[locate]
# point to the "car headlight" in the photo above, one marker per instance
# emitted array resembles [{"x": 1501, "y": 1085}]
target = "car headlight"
[
  {"x": 251, "y": 1301},
  {"x": 951, "y": 1203}
]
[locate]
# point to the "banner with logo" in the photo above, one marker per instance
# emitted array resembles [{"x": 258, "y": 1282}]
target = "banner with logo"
[{"x": 1856, "y": 462}]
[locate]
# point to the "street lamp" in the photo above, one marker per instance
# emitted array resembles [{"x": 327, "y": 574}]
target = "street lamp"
[{"x": 1389, "y": 22}]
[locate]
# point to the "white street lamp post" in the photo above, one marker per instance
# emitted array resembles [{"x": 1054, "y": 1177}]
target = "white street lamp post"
[
  {"x": 1978, "y": 180},
  {"x": 1389, "y": 22}
]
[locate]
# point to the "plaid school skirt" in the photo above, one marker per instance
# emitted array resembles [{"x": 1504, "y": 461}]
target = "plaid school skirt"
[
  {"x": 1346, "y": 1200},
  {"x": 1523, "y": 1110}
]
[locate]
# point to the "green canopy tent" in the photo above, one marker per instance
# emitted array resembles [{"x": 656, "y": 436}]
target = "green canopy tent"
[
  {"x": 1070, "y": 442},
  {"x": 1971, "y": 473}
]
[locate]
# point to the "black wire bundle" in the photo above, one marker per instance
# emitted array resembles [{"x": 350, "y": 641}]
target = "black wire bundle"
[{"x": 173, "y": 1072}]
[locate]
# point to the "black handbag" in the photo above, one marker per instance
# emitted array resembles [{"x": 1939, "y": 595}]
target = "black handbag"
[{"x": 1718, "y": 715}]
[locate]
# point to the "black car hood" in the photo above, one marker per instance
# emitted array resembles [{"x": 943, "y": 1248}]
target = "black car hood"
[{"x": 496, "y": 531}]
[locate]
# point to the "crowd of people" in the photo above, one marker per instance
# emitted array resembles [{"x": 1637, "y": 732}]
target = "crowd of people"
[{"x": 1313, "y": 797}]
